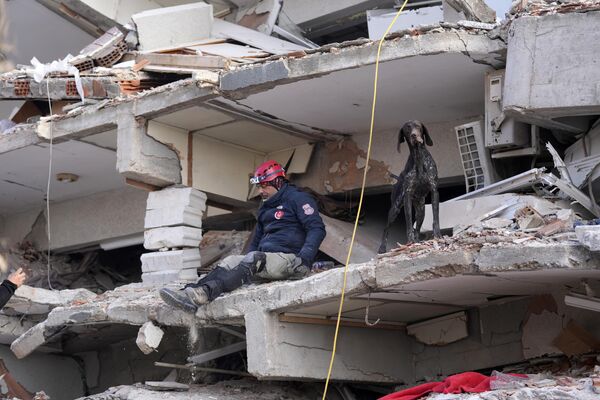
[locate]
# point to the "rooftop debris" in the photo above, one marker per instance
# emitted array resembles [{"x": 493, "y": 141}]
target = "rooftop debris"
[
  {"x": 103, "y": 52},
  {"x": 543, "y": 7}
]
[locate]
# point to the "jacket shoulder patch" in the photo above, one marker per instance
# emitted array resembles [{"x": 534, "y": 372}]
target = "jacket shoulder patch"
[{"x": 308, "y": 210}]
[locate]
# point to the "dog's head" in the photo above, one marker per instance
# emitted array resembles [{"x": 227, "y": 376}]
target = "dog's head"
[{"x": 415, "y": 134}]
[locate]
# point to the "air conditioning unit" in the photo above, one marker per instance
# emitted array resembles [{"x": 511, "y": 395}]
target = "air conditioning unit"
[
  {"x": 476, "y": 161},
  {"x": 501, "y": 132}
]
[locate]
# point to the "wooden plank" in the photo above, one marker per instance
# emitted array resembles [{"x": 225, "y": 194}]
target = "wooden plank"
[
  {"x": 190, "y": 160},
  {"x": 141, "y": 185},
  {"x": 224, "y": 29},
  {"x": 183, "y": 60},
  {"x": 211, "y": 355},
  {"x": 296, "y": 319},
  {"x": 230, "y": 50}
]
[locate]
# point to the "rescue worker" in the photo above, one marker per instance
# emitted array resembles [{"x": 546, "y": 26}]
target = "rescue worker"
[
  {"x": 10, "y": 284},
  {"x": 288, "y": 234}
]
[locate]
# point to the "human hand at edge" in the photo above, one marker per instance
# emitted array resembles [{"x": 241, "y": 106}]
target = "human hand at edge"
[{"x": 18, "y": 277}]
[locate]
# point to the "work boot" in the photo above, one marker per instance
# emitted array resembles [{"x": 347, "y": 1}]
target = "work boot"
[
  {"x": 197, "y": 295},
  {"x": 178, "y": 299}
]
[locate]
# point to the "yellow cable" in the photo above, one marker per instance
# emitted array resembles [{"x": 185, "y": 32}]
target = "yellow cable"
[{"x": 362, "y": 192}]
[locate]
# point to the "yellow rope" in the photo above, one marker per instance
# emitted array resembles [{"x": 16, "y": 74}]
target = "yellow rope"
[{"x": 362, "y": 192}]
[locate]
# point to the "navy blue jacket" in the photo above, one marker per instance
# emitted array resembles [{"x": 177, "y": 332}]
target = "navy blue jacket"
[
  {"x": 7, "y": 289},
  {"x": 289, "y": 222}
]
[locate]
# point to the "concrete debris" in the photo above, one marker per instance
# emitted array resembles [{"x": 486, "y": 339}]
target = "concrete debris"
[
  {"x": 543, "y": 7},
  {"x": 132, "y": 304},
  {"x": 32, "y": 300},
  {"x": 496, "y": 223},
  {"x": 169, "y": 27},
  {"x": 103, "y": 52},
  {"x": 243, "y": 389},
  {"x": 529, "y": 218},
  {"x": 589, "y": 236},
  {"x": 474, "y": 10},
  {"x": 76, "y": 271},
  {"x": 149, "y": 337}
]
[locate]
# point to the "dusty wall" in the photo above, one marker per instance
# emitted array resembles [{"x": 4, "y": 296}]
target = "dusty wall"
[
  {"x": 221, "y": 168},
  {"x": 83, "y": 221},
  {"x": 60, "y": 377},
  {"x": 338, "y": 166}
]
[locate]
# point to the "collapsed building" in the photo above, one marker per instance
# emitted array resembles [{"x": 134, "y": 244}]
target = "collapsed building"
[{"x": 125, "y": 168}]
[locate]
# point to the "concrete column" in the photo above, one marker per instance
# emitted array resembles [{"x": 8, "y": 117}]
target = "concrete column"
[
  {"x": 173, "y": 221},
  {"x": 281, "y": 350},
  {"x": 141, "y": 157}
]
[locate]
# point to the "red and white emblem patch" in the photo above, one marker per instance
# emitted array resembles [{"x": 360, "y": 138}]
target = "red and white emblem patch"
[
  {"x": 308, "y": 210},
  {"x": 279, "y": 214}
]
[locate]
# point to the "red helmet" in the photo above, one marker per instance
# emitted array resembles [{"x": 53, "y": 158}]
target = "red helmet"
[{"x": 267, "y": 171}]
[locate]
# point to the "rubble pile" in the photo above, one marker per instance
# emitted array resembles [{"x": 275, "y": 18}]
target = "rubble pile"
[
  {"x": 525, "y": 224},
  {"x": 580, "y": 386},
  {"x": 73, "y": 271},
  {"x": 245, "y": 389}
]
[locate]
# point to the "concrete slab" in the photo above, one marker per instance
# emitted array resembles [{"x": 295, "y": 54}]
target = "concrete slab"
[
  {"x": 133, "y": 304},
  {"x": 170, "y": 237},
  {"x": 171, "y": 260},
  {"x": 461, "y": 272},
  {"x": 174, "y": 216},
  {"x": 170, "y": 27},
  {"x": 176, "y": 197},
  {"x": 31, "y": 300},
  {"x": 561, "y": 87},
  {"x": 165, "y": 277}
]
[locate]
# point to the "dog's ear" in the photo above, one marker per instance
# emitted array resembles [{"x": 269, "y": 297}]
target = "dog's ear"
[
  {"x": 428, "y": 140},
  {"x": 400, "y": 138}
]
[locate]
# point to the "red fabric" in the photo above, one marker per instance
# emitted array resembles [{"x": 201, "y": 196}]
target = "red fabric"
[{"x": 467, "y": 382}]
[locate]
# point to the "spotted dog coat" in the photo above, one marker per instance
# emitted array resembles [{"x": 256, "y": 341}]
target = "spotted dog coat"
[{"x": 418, "y": 179}]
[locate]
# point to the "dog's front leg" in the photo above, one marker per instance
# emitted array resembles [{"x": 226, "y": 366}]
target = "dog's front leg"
[
  {"x": 435, "y": 209},
  {"x": 410, "y": 233},
  {"x": 419, "y": 217}
]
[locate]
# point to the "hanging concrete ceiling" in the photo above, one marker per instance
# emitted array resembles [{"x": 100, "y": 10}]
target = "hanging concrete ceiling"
[
  {"x": 231, "y": 129},
  {"x": 430, "y": 88},
  {"x": 436, "y": 297},
  {"x": 25, "y": 174}
]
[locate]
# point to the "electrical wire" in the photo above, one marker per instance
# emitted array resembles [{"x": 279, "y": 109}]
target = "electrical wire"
[{"x": 362, "y": 192}]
